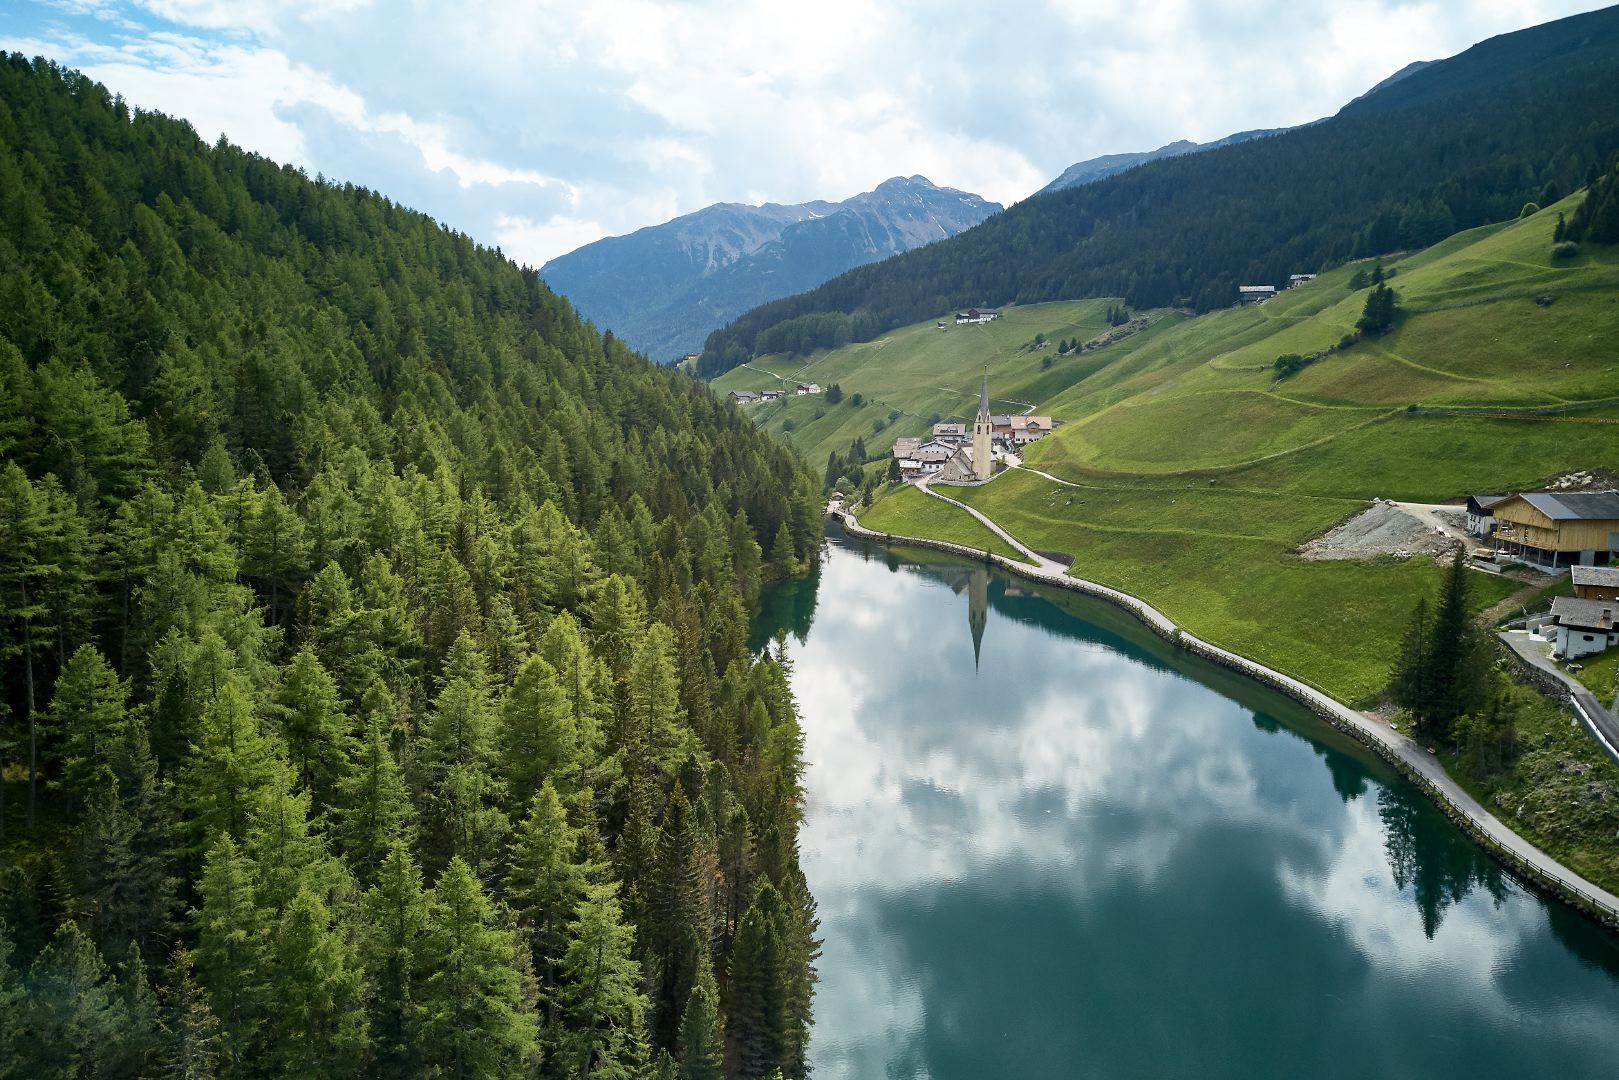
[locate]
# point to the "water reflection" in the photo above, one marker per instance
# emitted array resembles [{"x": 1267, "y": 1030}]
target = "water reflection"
[{"x": 1076, "y": 859}]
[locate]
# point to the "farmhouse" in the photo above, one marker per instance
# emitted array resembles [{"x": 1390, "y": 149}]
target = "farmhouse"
[
  {"x": 1596, "y": 582},
  {"x": 906, "y": 446},
  {"x": 744, "y": 397},
  {"x": 1556, "y": 530},
  {"x": 1296, "y": 280},
  {"x": 772, "y": 395},
  {"x": 1028, "y": 429},
  {"x": 1584, "y": 627},
  {"x": 1481, "y": 513},
  {"x": 976, "y": 315},
  {"x": 950, "y": 432},
  {"x": 808, "y": 388},
  {"x": 1253, "y": 294},
  {"x": 934, "y": 452}
]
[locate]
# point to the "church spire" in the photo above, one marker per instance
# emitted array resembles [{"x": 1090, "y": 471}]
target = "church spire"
[{"x": 983, "y": 398}]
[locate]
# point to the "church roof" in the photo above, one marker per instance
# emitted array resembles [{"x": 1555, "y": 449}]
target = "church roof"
[{"x": 983, "y": 397}]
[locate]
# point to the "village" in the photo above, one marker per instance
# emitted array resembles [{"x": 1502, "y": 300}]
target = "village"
[{"x": 955, "y": 455}]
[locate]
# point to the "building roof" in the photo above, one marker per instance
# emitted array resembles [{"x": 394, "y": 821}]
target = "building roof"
[
  {"x": 1484, "y": 502},
  {"x": 1585, "y": 614},
  {"x": 1256, "y": 288},
  {"x": 1606, "y": 577},
  {"x": 1593, "y": 506},
  {"x": 1002, "y": 419},
  {"x": 983, "y": 396},
  {"x": 949, "y": 429},
  {"x": 744, "y": 395}
]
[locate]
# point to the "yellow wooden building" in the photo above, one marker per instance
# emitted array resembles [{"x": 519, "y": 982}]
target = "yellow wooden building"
[{"x": 1554, "y": 529}]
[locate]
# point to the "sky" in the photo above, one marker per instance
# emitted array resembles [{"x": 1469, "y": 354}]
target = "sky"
[{"x": 541, "y": 125}]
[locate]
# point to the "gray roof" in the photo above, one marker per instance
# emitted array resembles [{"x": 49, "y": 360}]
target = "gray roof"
[
  {"x": 1596, "y": 506},
  {"x": 983, "y": 396},
  {"x": 1487, "y": 501},
  {"x": 1605, "y": 576},
  {"x": 1585, "y": 614}
]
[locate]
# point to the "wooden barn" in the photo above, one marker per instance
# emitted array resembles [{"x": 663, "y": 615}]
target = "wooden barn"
[{"x": 1553, "y": 529}]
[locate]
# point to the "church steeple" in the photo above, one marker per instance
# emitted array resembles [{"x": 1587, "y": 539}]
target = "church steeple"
[{"x": 984, "y": 436}]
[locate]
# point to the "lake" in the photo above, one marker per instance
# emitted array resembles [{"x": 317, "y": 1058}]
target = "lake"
[{"x": 1044, "y": 843}]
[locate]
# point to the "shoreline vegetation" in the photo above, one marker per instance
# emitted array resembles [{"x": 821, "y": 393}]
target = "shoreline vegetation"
[{"x": 1521, "y": 851}]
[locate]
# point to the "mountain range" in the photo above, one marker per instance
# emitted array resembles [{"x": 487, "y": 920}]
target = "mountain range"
[
  {"x": 1522, "y": 118},
  {"x": 664, "y": 288}
]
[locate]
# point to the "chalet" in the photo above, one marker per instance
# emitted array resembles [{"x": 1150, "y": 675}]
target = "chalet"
[
  {"x": 1003, "y": 426},
  {"x": 1254, "y": 294},
  {"x": 1596, "y": 582},
  {"x": 950, "y": 432},
  {"x": 976, "y": 315},
  {"x": 1584, "y": 627},
  {"x": 772, "y": 395},
  {"x": 1559, "y": 529},
  {"x": 1481, "y": 513},
  {"x": 906, "y": 447},
  {"x": 808, "y": 388},
  {"x": 1028, "y": 429},
  {"x": 934, "y": 452},
  {"x": 744, "y": 397},
  {"x": 910, "y": 469},
  {"x": 1295, "y": 280}
]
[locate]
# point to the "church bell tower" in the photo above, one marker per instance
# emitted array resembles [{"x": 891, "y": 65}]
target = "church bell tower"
[{"x": 983, "y": 437}]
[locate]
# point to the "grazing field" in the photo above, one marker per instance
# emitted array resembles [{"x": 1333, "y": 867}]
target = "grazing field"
[{"x": 908, "y": 512}]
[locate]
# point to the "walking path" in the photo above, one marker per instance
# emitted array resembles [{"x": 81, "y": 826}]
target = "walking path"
[
  {"x": 1601, "y": 723},
  {"x": 1415, "y": 761}
]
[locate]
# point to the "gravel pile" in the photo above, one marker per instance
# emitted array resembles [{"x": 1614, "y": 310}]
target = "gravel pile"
[{"x": 1382, "y": 529}]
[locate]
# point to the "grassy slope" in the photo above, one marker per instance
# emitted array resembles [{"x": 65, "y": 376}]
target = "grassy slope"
[
  {"x": 1200, "y": 473},
  {"x": 908, "y": 512},
  {"x": 923, "y": 372}
]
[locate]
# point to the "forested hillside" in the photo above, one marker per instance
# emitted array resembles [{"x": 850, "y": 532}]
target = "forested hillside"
[
  {"x": 1460, "y": 143},
  {"x": 373, "y": 641}
]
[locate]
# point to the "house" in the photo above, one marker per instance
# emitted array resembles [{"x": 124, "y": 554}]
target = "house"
[
  {"x": 906, "y": 447},
  {"x": 976, "y": 315},
  {"x": 808, "y": 388},
  {"x": 1584, "y": 627},
  {"x": 950, "y": 432},
  {"x": 1295, "y": 280},
  {"x": 744, "y": 397},
  {"x": 1254, "y": 294},
  {"x": 1556, "y": 529},
  {"x": 772, "y": 395},
  {"x": 1481, "y": 513},
  {"x": 1596, "y": 582},
  {"x": 1002, "y": 426},
  {"x": 940, "y": 325},
  {"x": 1028, "y": 429},
  {"x": 910, "y": 469},
  {"x": 934, "y": 452}
]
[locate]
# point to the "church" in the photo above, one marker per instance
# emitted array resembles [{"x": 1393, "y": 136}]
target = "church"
[{"x": 975, "y": 461}]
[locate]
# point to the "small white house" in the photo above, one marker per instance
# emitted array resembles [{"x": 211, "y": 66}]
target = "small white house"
[
  {"x": 1584, "y": 627},
  {"x": 808, "y": 388},
  {"x": 1295, "y": 280},
  {"x": 1254, "y": 294},
  {"x": 1481, "y": 513},
  {"x": 976, "y": 315}
]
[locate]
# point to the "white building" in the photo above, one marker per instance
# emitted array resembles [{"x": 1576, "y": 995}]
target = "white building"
[
  {"x": 976, "y": 315},
  {"x": 1255, "y": 294},
  {"x": 1584, "y": 627}
]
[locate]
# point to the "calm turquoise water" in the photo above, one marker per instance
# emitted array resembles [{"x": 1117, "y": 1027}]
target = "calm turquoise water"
[{"x": 1090, "y": 856}]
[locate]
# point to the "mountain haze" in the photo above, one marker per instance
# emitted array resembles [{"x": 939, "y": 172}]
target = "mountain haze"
[
  {"x": 1461, "y": 142},
  {"x": 664, "y": 288}
]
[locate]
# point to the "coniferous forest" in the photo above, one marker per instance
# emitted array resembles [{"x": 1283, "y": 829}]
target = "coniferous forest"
[
  {"x": 1524, "y": 117},
  {"x": 377, "y": 697}
]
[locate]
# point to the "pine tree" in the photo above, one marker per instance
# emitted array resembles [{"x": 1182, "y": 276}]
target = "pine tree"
[
  {"x": 544, "y": 885},
  {"x": 375, "y": 809},
  {"x": 757, "y": 997},
  {"x": 231, "y": 939},
  {"x": 605, "y": 1009},
  {"x": 701, "y": 1049},
  {"x": 87, "y": 714},
  {"x": 232, "y": 769},
  {"x": 189, "y": 1026},
  {"x": 78, "y": 1022},
  {"x": 395, "y": 919},
  {"x": 314, "y": 729},
  {"x": 471, "y": 999},
  {"x": 315, "y": 1025},
  {"x": 456, "y": 758},
  {"x": 540, "y": 739},
  {"x": 679, "y": 934}
]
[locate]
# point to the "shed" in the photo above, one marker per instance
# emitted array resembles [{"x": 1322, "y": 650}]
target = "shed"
[{"x": 1596, "y": 582}]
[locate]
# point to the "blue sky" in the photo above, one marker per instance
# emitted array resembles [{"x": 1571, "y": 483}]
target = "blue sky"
[{"x": 541, "y": 125}]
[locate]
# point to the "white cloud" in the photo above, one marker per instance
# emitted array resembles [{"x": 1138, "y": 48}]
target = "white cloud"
[
  {"x": 552, "y": 119},
  {"x": 532, "y": 243}
]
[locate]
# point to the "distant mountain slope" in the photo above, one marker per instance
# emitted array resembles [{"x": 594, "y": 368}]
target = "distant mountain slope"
[
  {"x": 1458, "y": 143},
  {"x": 1100, "y": 168},
  {"x": 665, "y": 287}
]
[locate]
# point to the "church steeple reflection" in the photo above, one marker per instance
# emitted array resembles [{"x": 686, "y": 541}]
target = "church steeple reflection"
[{"x": 978, "y": 609}]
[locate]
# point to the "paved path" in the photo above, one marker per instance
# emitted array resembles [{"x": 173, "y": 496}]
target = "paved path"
[
  {"x": 1415, "y": 760},
  {"x": 1601, "y": 723}
]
